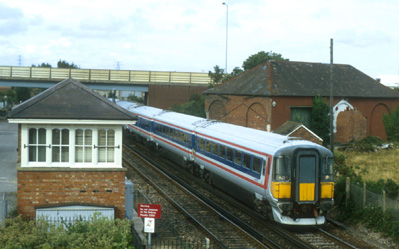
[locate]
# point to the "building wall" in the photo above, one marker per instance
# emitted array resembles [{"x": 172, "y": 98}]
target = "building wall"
[
  {"x": 39, "y": 187},
  {"x": 351, "y": 126},
  {"x": 164, "y": 96},
  {"x": 252, "y": 112},
  {"x": 237, "y": 111}
]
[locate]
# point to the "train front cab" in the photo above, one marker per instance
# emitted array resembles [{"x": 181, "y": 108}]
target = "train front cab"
[{"x": 302, "y": 186}]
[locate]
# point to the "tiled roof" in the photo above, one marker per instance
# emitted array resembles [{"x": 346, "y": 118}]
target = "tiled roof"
[
  {"x": 288, "y": 78},
  {"x": 69, "y": 99},
  {"x": 287, "y": 128}
]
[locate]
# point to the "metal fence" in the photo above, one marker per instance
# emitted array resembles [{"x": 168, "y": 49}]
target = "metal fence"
[
  {"x": 169, "y": 239},
  {"x": 120, "y": 76},
  {"x": 362, "y": 198}
]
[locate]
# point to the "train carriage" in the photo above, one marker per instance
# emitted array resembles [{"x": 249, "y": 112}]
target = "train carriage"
[{"x": 291, "y": 177}]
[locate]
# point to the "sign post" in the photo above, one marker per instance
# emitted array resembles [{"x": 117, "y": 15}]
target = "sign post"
[{"x": 149, "y": 212}]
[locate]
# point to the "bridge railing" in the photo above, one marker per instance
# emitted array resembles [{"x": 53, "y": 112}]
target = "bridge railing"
[{"x": 120, "y": 76}]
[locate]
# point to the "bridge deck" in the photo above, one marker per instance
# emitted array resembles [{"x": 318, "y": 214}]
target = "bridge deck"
[{"x": 106, "y": 76}]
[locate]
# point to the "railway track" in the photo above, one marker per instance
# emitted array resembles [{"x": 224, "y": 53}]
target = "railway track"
[
  {"x": 265, "y": 233},
  {"x": 224, "y": 233}
]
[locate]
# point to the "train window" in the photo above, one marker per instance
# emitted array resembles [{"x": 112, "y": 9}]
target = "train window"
[
  {"x": 327, "y": 169},
  {"x": 147, "y": 125},
  {"x": 173, "y": 133},
  {"x": 183, "y": 137},
  {"x": 189, "y": 140},
  {"x": 202, "y": 144},
  {"x": 282, "y": 169},
  {"x": 208, "y": 146},
  {"x": 167, "y": 131},
  {"x": 247, "y": 161},
  {"x": 257, "y": 164},
  {"x": 222, "y": 151},
  {"x": 237, "y": 157},
  {"x": 179, "y": 135},
  {"x": 229, "y": 154},
  {"x": 215, "y": 149}
]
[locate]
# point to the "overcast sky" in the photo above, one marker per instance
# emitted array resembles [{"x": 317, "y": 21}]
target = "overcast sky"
[{"x": 190, "y": 35}]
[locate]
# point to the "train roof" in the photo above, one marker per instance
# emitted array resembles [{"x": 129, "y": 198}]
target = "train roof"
[
  {"x": 247, "y": 138},
  {"x": 128, "y": 105},
  {"x": 183, "y": 120}
]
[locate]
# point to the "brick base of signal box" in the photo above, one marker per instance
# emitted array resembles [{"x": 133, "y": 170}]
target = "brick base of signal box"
[{"x": 38, "y": 187}]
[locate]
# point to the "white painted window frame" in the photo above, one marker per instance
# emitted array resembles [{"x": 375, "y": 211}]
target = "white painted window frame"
[{"x": 72, "y": 128}]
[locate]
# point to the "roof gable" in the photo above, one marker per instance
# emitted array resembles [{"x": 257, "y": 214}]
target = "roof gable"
[
  {"x": 69, "y": 99},
  {"x": 288, "y": 78}
]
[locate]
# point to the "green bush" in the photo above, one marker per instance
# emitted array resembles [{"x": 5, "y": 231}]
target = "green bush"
[
  {"x": 367, "y": 144},
  {"x": 373, "y": 218},
  {"x": 97, "y": 233},
  {"x": 390, "y": 186}
]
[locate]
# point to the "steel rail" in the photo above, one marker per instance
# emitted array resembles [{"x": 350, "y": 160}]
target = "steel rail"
[{"x": 193, "y": 194}]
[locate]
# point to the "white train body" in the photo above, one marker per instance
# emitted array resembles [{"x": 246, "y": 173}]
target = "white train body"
[{"x": 260, "y": 168}]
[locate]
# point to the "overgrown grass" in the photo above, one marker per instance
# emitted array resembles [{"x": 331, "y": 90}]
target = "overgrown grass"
[
  {"x": 380, "y": 170},
  {"x": 377, "y": 165}
]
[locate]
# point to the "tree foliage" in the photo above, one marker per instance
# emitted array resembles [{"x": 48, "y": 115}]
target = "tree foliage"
[
  {"x": 260, "y": 57},
  {"x": 320, "y": 121},
  {"x": 136, "y": 99},
  {"x": 216, "y": 76},
  {"x": 97, "y": 233},
  {"x": 195, "y": 106},
  {"x": 60, "y": 64},
  {"x": 42, "y": 65},
  {"x": 65, "y": 64},
  {"x": 391, "y": 122}
]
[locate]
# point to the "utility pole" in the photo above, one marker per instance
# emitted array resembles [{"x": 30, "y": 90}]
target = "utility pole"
[
  {"x": 227, "y": 33},
  {"x": 331, "y": 98}
]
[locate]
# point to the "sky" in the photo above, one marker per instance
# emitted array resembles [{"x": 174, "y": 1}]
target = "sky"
[{"x": 190, "y": 35}]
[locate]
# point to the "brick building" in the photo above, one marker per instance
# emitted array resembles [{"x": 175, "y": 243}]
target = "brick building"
[
  {"x": 70, "y": 151},
  {"x": 274, "y": 92}
]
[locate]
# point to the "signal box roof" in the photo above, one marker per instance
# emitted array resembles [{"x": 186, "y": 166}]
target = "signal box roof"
[{"x": 70, "y": 100}]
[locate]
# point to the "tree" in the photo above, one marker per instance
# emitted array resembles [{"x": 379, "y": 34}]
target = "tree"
[
  {"x": 42, "y": 65},
  {"x": 216, "y": 76},
  {"x": 391, "y": 123},
  {"x": 64, "y": 64},
  {"x": 195, "y": 106},
  {"x": 262, "y": 56},
  {"x": 319, "y": 119}
]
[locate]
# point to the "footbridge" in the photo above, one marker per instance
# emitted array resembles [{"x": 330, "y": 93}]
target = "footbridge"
[{"x": 168, "y": 87}]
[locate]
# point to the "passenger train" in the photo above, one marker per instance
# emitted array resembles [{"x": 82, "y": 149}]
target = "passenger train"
[{"x": 292, "y": 177}]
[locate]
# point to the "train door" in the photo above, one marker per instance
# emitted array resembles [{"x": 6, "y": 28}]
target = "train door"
[{"x": 307, "y": 171}]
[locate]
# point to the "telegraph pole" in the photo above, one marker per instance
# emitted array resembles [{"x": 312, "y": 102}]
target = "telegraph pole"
[{"x": 331, "y": 98}]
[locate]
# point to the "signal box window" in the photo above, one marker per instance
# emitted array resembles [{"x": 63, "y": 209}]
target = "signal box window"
[
  {"x": 106, "y": 146},
  {"x": 37, "y": 145},
  {"x": 83, "y": 147},
  {"x": 60, "y": 145}
]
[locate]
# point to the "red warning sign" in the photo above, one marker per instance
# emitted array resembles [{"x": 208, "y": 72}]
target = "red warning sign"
[{"x": 149, "y": 211}]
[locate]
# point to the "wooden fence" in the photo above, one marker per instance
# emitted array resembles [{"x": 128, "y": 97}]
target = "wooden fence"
[
  {"x": 120, "y": 76},
  {"x": 363, "y": 197}
]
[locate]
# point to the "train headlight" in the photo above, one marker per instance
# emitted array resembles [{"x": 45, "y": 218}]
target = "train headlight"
[{"x": 281, "y": 190}]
